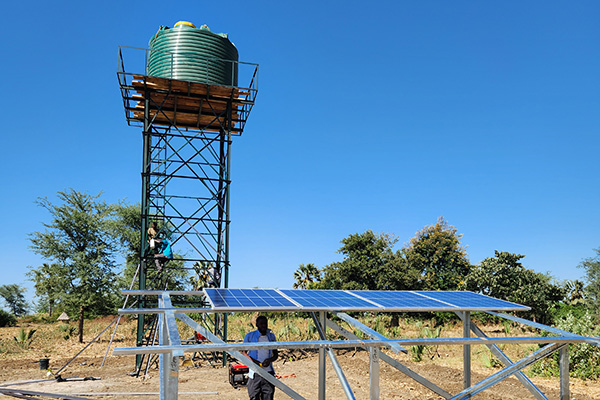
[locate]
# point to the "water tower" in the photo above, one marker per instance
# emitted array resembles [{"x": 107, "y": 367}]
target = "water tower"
[{"x": 187, "y": 100}]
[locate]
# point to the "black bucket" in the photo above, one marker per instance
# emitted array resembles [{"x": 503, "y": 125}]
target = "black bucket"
[{"x": 44, "y": 363}]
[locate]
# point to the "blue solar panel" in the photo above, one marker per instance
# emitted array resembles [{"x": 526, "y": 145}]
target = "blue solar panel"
[
  {"x": 342, "y": 300},
  {"x": 247, "y": 298},
  {"x": 398, "y": 299},
  {"x": 325, "y": 299},
  {"x": 471, "y": 300}
]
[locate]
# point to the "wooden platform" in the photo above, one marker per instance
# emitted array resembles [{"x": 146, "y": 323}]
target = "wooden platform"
[{"x": 190, "y": 104}]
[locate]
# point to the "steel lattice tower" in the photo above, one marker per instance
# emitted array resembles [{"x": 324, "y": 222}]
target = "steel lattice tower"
[{"x": 187, "y": 135}]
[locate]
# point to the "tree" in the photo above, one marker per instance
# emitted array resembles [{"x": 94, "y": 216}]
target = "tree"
[
  {"x": 81, "y": 240},
  {"x": 591, "y": 266},
  {"x": 369, "y": 263},
  {"x": 504, "y": 277},
  {"x": 14, "y": 299},
  {"x": 49, "y": 281},
  {"x": 575, "y": 292},
  {"x": 306, "y": 276},
  {"x": 436, "y": 253},
  {"x": 128, "y": 229}
]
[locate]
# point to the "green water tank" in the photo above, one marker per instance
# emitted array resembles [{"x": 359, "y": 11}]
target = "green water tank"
[{"x": 187, "y": 53}]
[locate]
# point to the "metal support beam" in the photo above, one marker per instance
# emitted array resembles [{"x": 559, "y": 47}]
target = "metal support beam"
[
  {"x": 565, "y": 392},
  {"x": 336, "y": 365},
  {"x": 168, "y": 365},
  {"x": 507, "y": 362},
  {"x": 506, "y": 372},
  {"x": 340, "y": 344},
  {"x": 394, "y": 363},
  {"x": 374, "y": 373},
  {"x": 322, "y": 359},
  {"x": 172, "y": 332},
  {"x": 373, "y": 334},
  {"x": 466, "y": 350},
  {"x": 556, "y": 331}
]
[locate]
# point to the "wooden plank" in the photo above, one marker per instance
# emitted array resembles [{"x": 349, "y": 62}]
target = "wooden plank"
[
  {"x": 183, "y": 119},
  {"x": 184, "y": 86},
  {"x": 154, "y": 89}
]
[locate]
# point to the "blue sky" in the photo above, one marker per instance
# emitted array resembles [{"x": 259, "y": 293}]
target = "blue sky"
[{"x": 377, "y": 115}]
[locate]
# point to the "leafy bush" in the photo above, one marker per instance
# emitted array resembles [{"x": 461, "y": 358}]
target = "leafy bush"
[
  {"x": 7, "y": 319},
  {"x": 68, "y": 331},
  {"x": 24, "y": 339},
  {"x": 584, "y": 359},
  {"x": 562, "y": 311},
  {"x": 418, "y": 351}
]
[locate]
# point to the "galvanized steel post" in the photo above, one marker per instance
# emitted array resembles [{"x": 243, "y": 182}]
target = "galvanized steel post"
[
  {"x": 466, "y": 350},
  {"x": 565, "y": 392},
  {"x": 322, "y": 359},
  {"x": 374, "y": 373}
]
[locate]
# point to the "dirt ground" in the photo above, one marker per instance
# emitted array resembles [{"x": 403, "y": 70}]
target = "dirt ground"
[
  {"x": 205, "y": 381},
  {"x": 299, "y": 370}
]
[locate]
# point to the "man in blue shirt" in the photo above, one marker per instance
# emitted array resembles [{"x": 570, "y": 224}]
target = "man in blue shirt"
[{"x": 258, "y": 387}]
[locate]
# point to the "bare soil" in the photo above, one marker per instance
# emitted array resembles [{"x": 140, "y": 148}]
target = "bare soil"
[{"x": 20, "y": 368}]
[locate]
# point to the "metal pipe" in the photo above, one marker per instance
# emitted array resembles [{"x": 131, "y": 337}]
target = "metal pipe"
[
  {"x": 374, "y": 373},
  {"x": 322, "y": 364},
  {"x": 336, "y": 365},
  {"x": 373, "y": 334},
  {"x": 466, "y": 350},
  {"x": 501, "y": 375},
  {"x": 565, "y": 392},
  {"x": 338, "y": 344},
  {"x": 394, "y": 363},
  {"x": 535, "y": 391}
]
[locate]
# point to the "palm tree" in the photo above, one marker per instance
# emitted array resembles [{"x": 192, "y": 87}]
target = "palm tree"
[
  {"x": 306, "y": 276},
  {"x": 575, "y": 292}
]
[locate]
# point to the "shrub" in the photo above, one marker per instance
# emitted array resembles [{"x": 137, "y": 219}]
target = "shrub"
[
  {"x": 7, "y": 319},
  {"x": 24, "y": 339},
  {"x": 584, "y": 359},
  {"x": 68, "y": 331}
]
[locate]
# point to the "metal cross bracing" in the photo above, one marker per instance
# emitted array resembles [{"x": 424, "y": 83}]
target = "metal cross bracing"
[
  {"x": 187, "y": 130},
  {"x": 172, "y": 349},
  {"x": 186, "y": 190}
]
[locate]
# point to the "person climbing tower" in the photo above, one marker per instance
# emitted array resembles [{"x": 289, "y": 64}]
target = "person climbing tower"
[{"x": 164, "y": 255}]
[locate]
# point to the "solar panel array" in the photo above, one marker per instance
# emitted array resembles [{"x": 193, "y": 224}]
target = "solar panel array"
[{"x": 353, "y": 300}]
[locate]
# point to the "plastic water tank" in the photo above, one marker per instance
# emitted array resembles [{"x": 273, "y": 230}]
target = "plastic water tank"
[{"x": 187, "y": 53}]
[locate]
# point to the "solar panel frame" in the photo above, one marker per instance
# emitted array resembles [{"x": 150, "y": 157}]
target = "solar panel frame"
[{"x": 353, "y": 300}]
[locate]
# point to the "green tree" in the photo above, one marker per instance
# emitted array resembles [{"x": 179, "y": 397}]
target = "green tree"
[
  {"x": 438, "y": 257},
  {"x": 128, "y": 229},
  {"x": 306, "y": 276},
  {"x": 81, "y": 240},
  {"x": 7, "y": 319},
  {"x": 575, "y": 292},
  {"x": 49, "y": 281},
  {"x": 369, "y": 263},
  {"x": 14, "y": 298},
  {"x": 591, "y": 266},
  {"x": 504, "y": 277}
]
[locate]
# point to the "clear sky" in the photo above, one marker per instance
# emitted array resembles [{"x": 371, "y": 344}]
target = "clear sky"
[{"x": 378, "y": 115}]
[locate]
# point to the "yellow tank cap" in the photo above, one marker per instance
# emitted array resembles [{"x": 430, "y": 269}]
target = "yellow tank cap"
[{"x": 185, "y": 23}]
